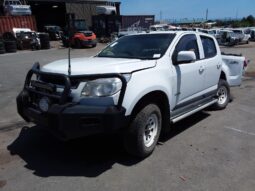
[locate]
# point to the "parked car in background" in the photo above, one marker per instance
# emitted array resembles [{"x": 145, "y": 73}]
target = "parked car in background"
[
  {"x": 26, "y": 39},
  {"x": 81, "y": 39},
  {"x": 55, "y": 32},
  {"x": 242, "y": 36},
  {"x": 130, "y": 30},
  {"x": 252, "y": 34},
  {"x": 15, "y": 7},
  {"x": 159, "y": 27},
  {"x": 228, "y": 38},
  {"x": 204, "y": 31},
  {"x": 80, "y": 34},
  {"x": 216, "y": 33}
]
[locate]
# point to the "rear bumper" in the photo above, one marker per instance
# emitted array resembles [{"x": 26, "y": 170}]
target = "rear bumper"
[
  {"x": 70, "y": 121},
  {"x": 88, "y": 42}
]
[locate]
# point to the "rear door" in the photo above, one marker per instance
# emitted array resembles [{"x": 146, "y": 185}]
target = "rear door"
[{"x": 213, "y": 63}]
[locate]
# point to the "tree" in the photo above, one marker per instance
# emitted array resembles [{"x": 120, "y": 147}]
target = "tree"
[{"x": 251, "y": 20}]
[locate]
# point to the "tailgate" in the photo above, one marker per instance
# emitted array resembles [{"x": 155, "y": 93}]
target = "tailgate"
[{"x": 233, "y": 68}]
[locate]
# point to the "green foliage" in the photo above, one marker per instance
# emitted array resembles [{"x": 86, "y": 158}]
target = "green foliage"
[{"x": 245, "y": 22}]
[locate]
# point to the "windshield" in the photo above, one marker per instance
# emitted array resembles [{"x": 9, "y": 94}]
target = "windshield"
[{"x": 145, "y": 46}]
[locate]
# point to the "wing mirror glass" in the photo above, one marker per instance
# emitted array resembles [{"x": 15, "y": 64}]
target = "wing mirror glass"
[{"x": 186, "y": 57}]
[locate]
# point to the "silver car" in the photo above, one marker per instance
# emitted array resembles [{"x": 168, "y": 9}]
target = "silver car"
[{"x": 15, "y": 7}]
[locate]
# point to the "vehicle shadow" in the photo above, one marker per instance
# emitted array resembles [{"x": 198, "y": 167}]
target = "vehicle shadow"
[
  {"x": 186, "y": 123},
  {"x": 89, "y": 157}
]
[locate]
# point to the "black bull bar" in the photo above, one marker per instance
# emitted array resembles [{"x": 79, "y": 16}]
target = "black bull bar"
[{"x": 63, "y": 97}]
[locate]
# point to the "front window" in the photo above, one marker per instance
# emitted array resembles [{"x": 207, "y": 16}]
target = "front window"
[
  {"x": 144, "y": 46},
  {"x": 187, "y": 43}
]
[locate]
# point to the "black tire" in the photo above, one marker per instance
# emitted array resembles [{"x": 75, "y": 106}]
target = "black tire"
[
  {"x": 45, "y": 40},
  {"x": 135, "y": 139},
  {"x": 2, "y": 48},
  {"x": 77, "y": 43},
  {"x": 223, "y": 95},
  {"x": 94, "y": 45},
  {"x": 8, "y": 36},
  {"x": 10, "y": 46},
  {"x": 65, "y": 42}
]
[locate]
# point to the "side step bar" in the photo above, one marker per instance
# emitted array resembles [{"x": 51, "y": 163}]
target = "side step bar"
[{"x": 199, "y": 108}]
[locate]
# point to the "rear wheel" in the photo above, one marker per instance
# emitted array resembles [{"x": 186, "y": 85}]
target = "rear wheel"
[
  {"x": 223, "y": 95},
  {"x": 143, "y": 134}
]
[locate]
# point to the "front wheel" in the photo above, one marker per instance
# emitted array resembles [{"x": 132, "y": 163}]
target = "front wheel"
[
  {"x": 223, "y": 95},
  {"x": 143, "y": 134}
]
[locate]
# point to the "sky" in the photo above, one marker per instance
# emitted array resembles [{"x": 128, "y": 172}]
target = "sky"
[{"x": 179, "y": 9}]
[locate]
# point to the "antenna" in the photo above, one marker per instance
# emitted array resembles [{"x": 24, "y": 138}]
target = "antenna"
[
  {"x": 69, "y": 47},
  {"x": 236, "y": 14},
  {"x": 70, "y": 18},
  {"x": 160, "y": 16},
  {"x": 206, "y": 17}
]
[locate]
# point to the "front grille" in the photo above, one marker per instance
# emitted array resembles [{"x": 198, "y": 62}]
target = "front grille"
[
  {"x": 88, "y": 34},
  {"x": 59, "y": 81}
]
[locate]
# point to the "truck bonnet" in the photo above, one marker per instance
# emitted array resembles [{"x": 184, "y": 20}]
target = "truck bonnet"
[{"x": 96, "y": 65}]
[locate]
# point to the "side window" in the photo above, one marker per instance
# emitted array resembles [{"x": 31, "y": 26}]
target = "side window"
[
  {"x": 187, "y": 43},
  {"x": 209, "y": 47}
]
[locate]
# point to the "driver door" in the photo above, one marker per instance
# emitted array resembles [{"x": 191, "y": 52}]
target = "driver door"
[{"x": 189, "y": 76}]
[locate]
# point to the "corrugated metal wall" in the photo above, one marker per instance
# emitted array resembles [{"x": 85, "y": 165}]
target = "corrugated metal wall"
[
  {"x": 82, "y": 11},
  {"x": 85, "y": 10},
  {"x": 144, "y": 21},
  {"x": 7, "y": 23}
]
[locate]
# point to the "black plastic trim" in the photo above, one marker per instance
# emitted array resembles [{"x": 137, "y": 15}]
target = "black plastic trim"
[{"x": 199, "y": 98}]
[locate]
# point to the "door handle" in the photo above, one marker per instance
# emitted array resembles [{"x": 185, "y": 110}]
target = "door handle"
[{"x": 201, "y": 69}]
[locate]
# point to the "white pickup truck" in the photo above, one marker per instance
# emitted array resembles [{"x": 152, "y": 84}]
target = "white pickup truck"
[{"x": 139, "y": 84}]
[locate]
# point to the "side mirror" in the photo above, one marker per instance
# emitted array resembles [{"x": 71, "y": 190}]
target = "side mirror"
[{"x": 186, "y": 57}]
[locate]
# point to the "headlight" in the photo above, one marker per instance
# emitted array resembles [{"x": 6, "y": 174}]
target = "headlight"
[{"x": 101, "y": 87}]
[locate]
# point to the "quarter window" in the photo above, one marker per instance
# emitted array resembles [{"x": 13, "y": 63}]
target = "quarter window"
[{"x": 209, "y": 47}]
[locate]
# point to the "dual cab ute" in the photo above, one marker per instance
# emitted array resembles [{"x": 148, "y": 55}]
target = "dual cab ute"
[{"x": 139, "y": 84}]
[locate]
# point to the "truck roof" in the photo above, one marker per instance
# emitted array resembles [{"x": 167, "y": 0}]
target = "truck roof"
[{"x": 178, "y": 33}]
